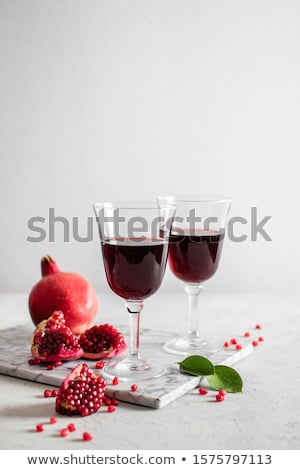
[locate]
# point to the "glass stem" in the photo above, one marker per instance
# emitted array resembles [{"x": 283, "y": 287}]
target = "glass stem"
[
  {"x": 134, "y": 309},
  {"x": 193, "y": 292}
]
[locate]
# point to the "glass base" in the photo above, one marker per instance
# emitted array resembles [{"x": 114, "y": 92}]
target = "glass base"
[
  {"x": 189, "y": 345},
  {"x": 134, "y": 371}
]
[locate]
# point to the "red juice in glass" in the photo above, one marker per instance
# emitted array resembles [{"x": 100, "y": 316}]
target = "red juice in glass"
[
  {"x": 134, "y": 267},
  {"x": 194, "y": 255}
]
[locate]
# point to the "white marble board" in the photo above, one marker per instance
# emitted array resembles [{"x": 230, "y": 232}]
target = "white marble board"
[{"x": 15, "y": 352}]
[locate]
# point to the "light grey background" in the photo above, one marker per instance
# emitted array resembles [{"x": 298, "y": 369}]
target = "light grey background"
[{"x": 104, "y": 99}]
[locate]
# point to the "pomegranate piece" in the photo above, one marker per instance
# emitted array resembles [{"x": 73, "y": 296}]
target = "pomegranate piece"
[
  {"x": 65, "y": 291},
  {"x": 81, "y": 393},
  {"x": 53, "y": 341},
  {"x": 86, "y": 436},
  {"x": 102, "y": 341}
]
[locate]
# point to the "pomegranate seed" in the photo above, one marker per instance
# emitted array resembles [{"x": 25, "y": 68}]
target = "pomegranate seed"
[
  {"x": 254, "y": 343},
  {"x": 71, "y": 427},
  {"x": 100, "y": 365},
  {"x": 233, "y": 341},
  {"x": 33, "y": 362},
  {"x": 219, "y": 397},
  {"x": 54, "y": 393},
  {"x": 114, "y": 401},
  {"x": 226, "y": 344},
  {"x": 222, "y": 392},
  {"x": 50, "y": 366},
  {"x": 238, "y": 347},
  {"x": 260, "y": 338},
  {"x": 107, "y": 401},
  {"x": 115, "y": 381},
  {"x": 47, "y": 393},
  {"x": 134, "y": 387},
  {"x": 202, "y": 391},
  {"x": 86, "y": 436},
  {"x": 53, "y": 420},
  {"x": 246, "y": 334},
  {"x": 40, "y": 427},
  {"x": 111, "y": 409},
  {"x": 64, "y": 432},
  {"x": 58, "y": 363},
  {"x": 258, "y": 326}
]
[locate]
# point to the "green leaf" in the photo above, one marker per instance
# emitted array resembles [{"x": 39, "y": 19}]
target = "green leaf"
[
  {"x": 197, "y": 365},
  {"x": 226, "y": 378}
]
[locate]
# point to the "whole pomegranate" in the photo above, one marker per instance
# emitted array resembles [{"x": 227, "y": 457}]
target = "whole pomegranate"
[{"x": 66, "y": 291}]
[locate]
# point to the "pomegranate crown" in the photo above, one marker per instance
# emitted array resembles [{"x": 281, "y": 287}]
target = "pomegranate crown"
[{"x": 48, "y": 266}]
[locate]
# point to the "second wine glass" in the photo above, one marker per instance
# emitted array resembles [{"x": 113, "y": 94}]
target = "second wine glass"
[{"x": 196, "y": 244}]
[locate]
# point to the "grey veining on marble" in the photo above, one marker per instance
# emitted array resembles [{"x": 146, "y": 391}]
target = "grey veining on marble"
[{"x": 15, "y": 352}]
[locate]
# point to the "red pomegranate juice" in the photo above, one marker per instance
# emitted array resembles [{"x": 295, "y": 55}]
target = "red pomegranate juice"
[
  {"x": 194, "y": 256},
  {"x": 134, "y": 268}
]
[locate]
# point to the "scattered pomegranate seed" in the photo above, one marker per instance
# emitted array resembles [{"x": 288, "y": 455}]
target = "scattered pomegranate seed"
[
  {"x": 222, "y": 392},
  {"x": 107, "y": 401},
  {"x": 52, "y": 420},
  {"x": 58, "y": 363},
  {"x": 54, "y": 393},
  {"x": 115, "y": 381},
  {"x": 40, "y": 427},
  {"x": 226, "y": 344},
  {"x": 111, "y": 409},
  {"x": 238, "y": 347},
  {"x": 64, "y": 432},
  {"x": 219, "y": 397},
  {"x": 246, "y": 334},
  {"x": 233, "y": 341},
  {"x": 47, "y": 393},
  {"x": 202, "y": 391},
  {"x": 33, "y": 362},
  {"x": 134, "y": 387},
  {"x": 50, "y": 366},
  {"x": 260, "y": 338},
  {"x": 258, "y": 326},
  {"x": 254, "y": 343},
  {"x": 71, "y": 427},
  {"x": 100, "y": 365},
  {"x": 114, "y": 402},
  {"x": 86, "y": 436}
]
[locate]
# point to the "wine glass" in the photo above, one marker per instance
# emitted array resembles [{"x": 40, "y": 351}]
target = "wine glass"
[
  {"x": 134, "y": 240},
  {"x": 196, "y": 243}
]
